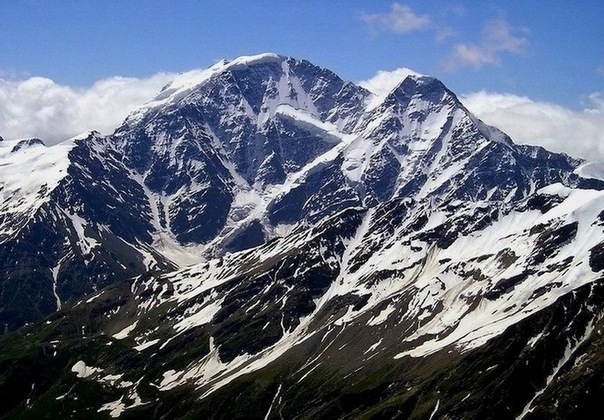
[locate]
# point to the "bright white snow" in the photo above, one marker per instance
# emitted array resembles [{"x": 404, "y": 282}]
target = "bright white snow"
[{"x": 83, "y": 371}]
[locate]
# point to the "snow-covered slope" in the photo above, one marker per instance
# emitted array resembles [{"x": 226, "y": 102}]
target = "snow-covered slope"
[
  {"x": 418, "y": 287},
  {"x": 73, "y": 220},
  {"x": 281, "y": 225},
  {"x": 29, "y": 171}
]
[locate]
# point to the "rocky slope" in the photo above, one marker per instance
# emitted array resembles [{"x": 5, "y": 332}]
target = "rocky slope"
[{"x": 279, "y": 242}]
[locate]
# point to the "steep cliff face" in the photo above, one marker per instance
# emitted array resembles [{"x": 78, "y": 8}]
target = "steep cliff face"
[{"x": 265, "y": 225}]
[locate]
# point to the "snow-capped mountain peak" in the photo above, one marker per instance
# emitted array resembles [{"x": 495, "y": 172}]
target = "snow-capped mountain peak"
[
  {"x": 264, "y": 224},
  {"x": 29, "y": 172},
  {"x": 184, "y": 83}
]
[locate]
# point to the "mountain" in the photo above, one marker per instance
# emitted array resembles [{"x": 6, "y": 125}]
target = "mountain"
[{"x": 264, "y": 239}]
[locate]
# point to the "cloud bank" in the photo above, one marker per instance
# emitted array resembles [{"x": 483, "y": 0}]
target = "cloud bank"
[
  {"x": 39, "y": 107},
  {"x": 559, "y": 129}
]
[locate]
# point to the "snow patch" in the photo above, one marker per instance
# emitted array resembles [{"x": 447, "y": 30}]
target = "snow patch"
[
  {"x": 593, "y": 170},
  {"x": 85, "y": 243},
  {"x": 83, "y": 371},
  {"x": 125, "y": 332},
  {"x": 95, "y": 297},
  {"x": 382, "y": 316},
  {"x": 195, "y": 316},
  {"x": 146, "y": 345},
  {"x": 55, "y": 274}
]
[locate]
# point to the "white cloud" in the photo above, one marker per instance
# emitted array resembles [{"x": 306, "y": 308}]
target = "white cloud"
[
  {"x": 559, "y": 129},
  {"x": 38, "y": 107},
  {"x": 470, "y": 55},
  {"x": 385, "y": 81},
  {"x": 444, "y": 33},
  {"x": 596, "y": 100},
  {"x": 401, "y": 19},
  {"x": 498, "y": 37}
]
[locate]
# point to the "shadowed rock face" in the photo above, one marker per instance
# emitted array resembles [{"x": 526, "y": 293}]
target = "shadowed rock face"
[{"x": 264, "y": 237}]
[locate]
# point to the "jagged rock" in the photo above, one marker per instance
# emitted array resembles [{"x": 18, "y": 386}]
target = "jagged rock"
[{"x": 264, "y": 236}]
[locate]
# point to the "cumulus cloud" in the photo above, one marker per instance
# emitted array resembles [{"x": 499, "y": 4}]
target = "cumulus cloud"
[
  {"x": 385, "y": 81},
  {"x": 559, "y": 129},
  {"x": 498, "y": 37},
  {"x": 39, "y": 107},
  {"x": 400, "y": 20}
]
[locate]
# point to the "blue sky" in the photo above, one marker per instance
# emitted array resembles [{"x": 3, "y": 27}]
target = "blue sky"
[
  {"x": 551, "y": 52},
  {"x": 79, "y": 42}
]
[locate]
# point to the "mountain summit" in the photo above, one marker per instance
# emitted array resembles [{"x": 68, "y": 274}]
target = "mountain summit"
[{"x": 265, "y": 234}]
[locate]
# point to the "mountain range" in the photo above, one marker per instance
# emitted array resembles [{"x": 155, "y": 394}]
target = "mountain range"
[{"x": 266, "y": 240}]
